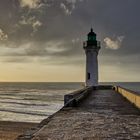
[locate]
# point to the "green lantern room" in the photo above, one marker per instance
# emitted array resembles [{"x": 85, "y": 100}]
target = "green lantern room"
[{"x": 91, "y": 38}]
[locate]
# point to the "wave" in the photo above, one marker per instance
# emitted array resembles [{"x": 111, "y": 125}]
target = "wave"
[
  {"x": 26, "y": 113},
  {"x": 28, "y": 104},
  {"x": 12, "y": 97}
]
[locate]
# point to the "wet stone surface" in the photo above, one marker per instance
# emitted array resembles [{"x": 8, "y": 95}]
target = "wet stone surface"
[{"x": 104, "y": 114}]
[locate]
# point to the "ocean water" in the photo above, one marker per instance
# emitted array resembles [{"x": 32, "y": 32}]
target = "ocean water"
[{"x": 32, "y": 102}]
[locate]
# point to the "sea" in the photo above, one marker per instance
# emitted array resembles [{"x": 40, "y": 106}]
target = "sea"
[{"x": 33, "y": 102}]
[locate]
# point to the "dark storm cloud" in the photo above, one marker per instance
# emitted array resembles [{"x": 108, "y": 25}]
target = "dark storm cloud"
[{"x": 51, "y": 28}]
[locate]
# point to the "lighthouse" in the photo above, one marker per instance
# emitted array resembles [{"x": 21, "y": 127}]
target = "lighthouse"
[{"x": 91, "y": 47}]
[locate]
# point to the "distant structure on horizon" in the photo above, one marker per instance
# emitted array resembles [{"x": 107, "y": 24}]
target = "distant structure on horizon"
[{"x": 91, "y": 47}]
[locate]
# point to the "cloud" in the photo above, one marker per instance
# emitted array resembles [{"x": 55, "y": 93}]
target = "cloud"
[
  {"x": 69, "y": 5},
  {"x": 12, "y": 51},
  {"x": 52, "y": 24},
  {"x": 73, "y": 1},
  {"x": 34, "y": 49},
  {"x": 113, "y": 44},
  {"x": 66, "y": 10},
  {"x": 31, "y": 21},
  {"x": 15, "y": 59},
  {"x": 36, "y": 24},
  {"x": 32, "y": 4},
  {"x": 47, "y": 53},
  {"x": 3, "y": 36},
  {"x": 74, "y": 41}
]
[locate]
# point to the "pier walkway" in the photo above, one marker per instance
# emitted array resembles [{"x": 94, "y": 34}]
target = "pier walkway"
[{"x": 102, "y": 115}]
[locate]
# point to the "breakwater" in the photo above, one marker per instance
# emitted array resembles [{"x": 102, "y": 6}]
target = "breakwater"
[
  {"x": 130, "y": 95},
  {"x": 91, "y": 113}
]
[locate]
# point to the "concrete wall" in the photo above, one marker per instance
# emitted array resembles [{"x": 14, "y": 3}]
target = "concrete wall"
[
  {"x": 132, "y": 96},
  {"x": 72, "y": 99}
]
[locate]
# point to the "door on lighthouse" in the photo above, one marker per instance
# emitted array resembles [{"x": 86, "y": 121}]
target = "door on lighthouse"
[{"x": 88, "y": 75}]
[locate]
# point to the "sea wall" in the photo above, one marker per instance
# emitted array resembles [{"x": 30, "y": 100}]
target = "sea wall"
[
  {"x": 72, "y": 99},
  {"x": 131, "y": 96}
]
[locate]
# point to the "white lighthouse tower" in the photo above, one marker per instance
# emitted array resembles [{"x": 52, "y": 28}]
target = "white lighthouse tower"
[{"x": 91, "y": 47}]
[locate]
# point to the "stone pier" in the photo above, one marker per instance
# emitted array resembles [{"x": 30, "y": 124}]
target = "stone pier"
[{"x": 96, "y": 113}]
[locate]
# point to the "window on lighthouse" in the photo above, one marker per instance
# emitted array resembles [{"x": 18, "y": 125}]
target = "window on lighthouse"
[{"x": 92, "y": 38}]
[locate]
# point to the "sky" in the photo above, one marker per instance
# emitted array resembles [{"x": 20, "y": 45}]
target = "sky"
[{"x": 42, "y": 40}]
